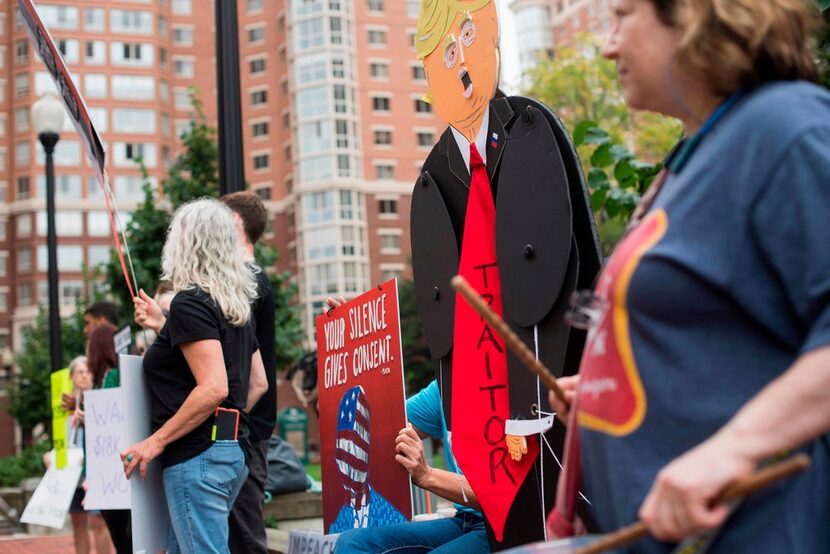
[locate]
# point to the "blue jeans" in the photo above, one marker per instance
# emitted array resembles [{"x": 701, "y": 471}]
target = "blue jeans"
[
  {"x": 463, "y": 533},
  {"x": 200, "y": 493}
]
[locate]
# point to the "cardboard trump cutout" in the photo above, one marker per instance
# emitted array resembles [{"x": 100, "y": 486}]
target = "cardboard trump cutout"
[{"x": 501, "y": 201}]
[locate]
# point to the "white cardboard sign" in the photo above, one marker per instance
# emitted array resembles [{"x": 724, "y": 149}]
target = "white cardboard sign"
[
  {"x": 50, "y": 501},
  {"x": 310, "y": 542},
  {"x": 105, "y": 416},
  {"x": 151, "y": 520}
]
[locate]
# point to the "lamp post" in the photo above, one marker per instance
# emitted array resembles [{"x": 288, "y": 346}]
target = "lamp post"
[
  {"x": 231, "y": 155},
  {"x": 47, "y": 116}
]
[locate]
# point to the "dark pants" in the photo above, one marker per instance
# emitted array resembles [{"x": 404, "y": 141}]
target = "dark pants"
[
  {"x": 119, "y": 524},
  {"x": 246, "y": 524}
]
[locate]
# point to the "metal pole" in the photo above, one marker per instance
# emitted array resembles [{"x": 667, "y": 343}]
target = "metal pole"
[
  {"x": 231, "y": 154},
  {"x": 49, "y": 140}
]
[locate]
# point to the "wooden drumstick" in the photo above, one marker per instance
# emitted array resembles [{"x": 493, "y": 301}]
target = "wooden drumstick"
[
  {"x": 759, "y": 480},
  {"x": 513, "y": 342}
]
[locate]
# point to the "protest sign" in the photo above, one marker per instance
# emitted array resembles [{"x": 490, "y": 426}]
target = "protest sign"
[
  {"x": 108, "y": 488},
  {"x": 45, "y": 46},
  {"x": 310, "y": 542},
  {"x": 122, "y": 340},
  {"x": 60, "y": 384},
  {"x": 50, "y": 501},
  {"x": 362, "y": 408},
  {"x": 151, "y": 520}
]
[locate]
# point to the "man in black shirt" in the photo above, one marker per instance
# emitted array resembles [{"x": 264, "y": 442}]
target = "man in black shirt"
[{"x": 247, "y": 526}]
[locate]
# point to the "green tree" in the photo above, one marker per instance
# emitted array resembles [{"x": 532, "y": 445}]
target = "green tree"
[
  {"x": 580, "y": 85},
  {"x": 287, "y": 322},
  {"x": 145, "y": 233},
  {"x": 29, "y": 397}
]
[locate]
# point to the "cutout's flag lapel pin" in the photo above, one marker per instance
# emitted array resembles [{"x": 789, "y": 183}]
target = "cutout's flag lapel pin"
[{"x": 494, "y": 140}]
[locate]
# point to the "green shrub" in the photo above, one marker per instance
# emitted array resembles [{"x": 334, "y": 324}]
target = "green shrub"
[{"x": 29, "y": 463}]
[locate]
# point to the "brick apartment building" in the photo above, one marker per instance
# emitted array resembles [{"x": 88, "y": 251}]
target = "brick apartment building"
[{"x": 333, "y": 123}]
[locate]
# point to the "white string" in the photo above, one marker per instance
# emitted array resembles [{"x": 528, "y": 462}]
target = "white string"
[
  {"x": 541, "y": 433},
  {"x": 120, "y": 229},
  {"x": 560, "y": 464}
]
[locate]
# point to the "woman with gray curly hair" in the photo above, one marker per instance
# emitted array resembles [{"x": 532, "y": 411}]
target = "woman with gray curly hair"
[{"x": 204, "y": 372}]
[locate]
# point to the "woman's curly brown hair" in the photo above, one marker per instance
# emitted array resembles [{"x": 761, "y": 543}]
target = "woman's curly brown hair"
[{"x": 736, "y": 44}]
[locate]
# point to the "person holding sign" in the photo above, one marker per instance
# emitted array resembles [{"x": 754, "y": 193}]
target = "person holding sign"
[
  {"x": 204, "y": 370},
  {"x": 463, "y": 532},
  {"x": 709, "y": 349}
]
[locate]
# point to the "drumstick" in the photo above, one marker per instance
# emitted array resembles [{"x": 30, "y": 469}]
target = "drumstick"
[
  {"x": 513, "y": 342},
  {"x": 759, "y": 480}
]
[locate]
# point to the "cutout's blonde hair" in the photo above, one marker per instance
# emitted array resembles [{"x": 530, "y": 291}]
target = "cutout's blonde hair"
[
  {"x": 435, "y": 19},
  {"x": 734, "y": 44},
  {"x": 203, "y": 251}
]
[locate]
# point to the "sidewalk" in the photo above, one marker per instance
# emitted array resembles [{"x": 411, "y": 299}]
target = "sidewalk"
[{"x": 26, "y": 544}]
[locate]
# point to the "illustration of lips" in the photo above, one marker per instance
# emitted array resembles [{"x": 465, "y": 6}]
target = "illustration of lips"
[{"x": 464, "y": 75}]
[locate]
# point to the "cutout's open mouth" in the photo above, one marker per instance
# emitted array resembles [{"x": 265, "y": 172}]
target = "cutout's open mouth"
[{"x": 464, "y": 75}]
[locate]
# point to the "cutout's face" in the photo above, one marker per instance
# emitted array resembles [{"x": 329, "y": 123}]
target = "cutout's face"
[{"x": 463, "y": 70}]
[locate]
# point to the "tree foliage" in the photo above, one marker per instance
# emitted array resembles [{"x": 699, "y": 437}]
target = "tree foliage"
[
  {"x": 288, "y": 325},
  {"x": 579, "y": 85},
  {"x": 29, "y": 396}
]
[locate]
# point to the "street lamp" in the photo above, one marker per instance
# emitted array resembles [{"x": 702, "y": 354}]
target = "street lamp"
[{"x": 47, "y": 116}]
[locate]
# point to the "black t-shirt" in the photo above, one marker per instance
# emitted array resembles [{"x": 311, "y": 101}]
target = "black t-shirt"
[
  {"x": 263, "y": 416},
  {"x": 195, "y": 316}
]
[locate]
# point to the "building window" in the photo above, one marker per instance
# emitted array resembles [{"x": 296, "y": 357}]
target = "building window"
[
  {"x": 22, "y": 153},
  {"x": 97, "y": 223},
  {"x": 377, "y": 37},
  {"x": 182, "y": 100},
  {"x": 131, "y": 51},
  {"x": 374, "y": 5},
  {"x": 390, "y": 243},
  {"x": 95, "y": 85},
  {"x": 183, "y": 67},
  {"x": 264, "y": 192},
  {"x": 259, "y": 129},
  {"x": 379, "y": 70},
  {"x": 4, "y": 260},
  {"x": 96, "y": 52},
  {"x": 182, "y": 36},
  {"x": 21, "y": 119},
  {"x": 4, "y": 306},
  {"x": 98, "y": 255},
  {"x": 94, "y": 19},
  {"x": 182, "y": 7},
  {"x": 381, "y": 103},
  {"x": 422, "y": 106},
  {"x": 418, "y": 73},
  {"x": 262, "y": 161},
  {"x": 412, "y": 7},
  {"x": 132, "y": 22},
  {"x": 21, "y": 51},
  {"x": 256, "y": 66},
  {"x": 384, "y": 171},
  {"x": 426, "y": 138},
  {"x": 338, "y": 69},
  {"x": 24, "y": 259},
  {"x": 162, "y": 26},
  {"x": 254, "y": 5},
  {"x": 23, "y": 226},
  {"x": 24, "y": 294},
  {"x": 383, "y": 138},
  {"x": 388, "y": 207},
  {"x": 256, "y": 34},
  {"x": 133, "y": 87},
  {"x": 259, "y": 97},
  {"x": 390, "y": 273},
  {"x": 21, "y": 85},
  {"x": 23, "y": 189}
]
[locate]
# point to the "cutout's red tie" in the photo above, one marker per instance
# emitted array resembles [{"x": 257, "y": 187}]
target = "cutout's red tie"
[{"x": 480, "y": 398}]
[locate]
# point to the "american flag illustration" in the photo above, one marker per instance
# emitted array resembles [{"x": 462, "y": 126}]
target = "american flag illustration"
[{"x": 352, "y": 452}]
